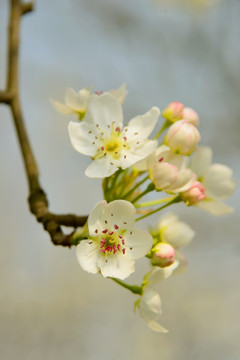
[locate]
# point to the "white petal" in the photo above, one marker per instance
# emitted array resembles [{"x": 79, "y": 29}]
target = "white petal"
[
  {"x": 168, "y": 219},
  {"x": 163, "y": 175},
  {"x": 158, "y": 274},
  {"x": 185, "y": 179},
  {"x": 142, "y": 124},
  {"x": 81, "y": 139},
  {"x": 101, "y": 168},
  {"x": 182, "y": 264},
  {"x": 103, "y": 110},
  {"x": 120, "y": 93},
  {"x": 150, "y": 305},
  {"x": 118, "y": 266},
  {"x": 201, "y": 160},
  {"x": 157, "y": 327},
  {"x": 136, "y": 154},
  {"x": 62, "y": 108},
  {"x": 178, "y": 234},
  {"x": 139, "y": 243},
  {"x": 94, "y": 222},
  {"x": 215, "y": 207},
  {"x": 87, "y": 254},
  {"x": 77, "y": 101},
  {"x": 218, "y": 182},
  {"x": 120, "y": 213}
]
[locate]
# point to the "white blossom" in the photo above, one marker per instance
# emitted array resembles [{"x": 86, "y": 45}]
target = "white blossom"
[
  {"x": 149, "y": 306},
  {"x": 113, "y": 243},
  {"x": 76, "y": 102},
  {"x": 182, "y": 137},
  {"x": 168, "y": 171},
  {"x": 216, "y": 179},
  {"x": 101, "y": 136},
  {"x": 173, "y": 231}
]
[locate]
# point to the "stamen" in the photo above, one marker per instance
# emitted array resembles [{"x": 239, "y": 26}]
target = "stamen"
[
  {"x": 118, "y": 247},
  {"x": 161, "y": 159},
  {"x": 120, "y": 237},
  {"x": 90, "y": 131},
  {"x": 117, "y": 129},
  {"x": 105, "y": 231},
  {"x": 96, "y": 231},
  {"x": 111, "y": 232},
  {"x": 105, "y": 221},
  {"x": 124, "y": 138},
  {"x": 123, "y": 251},
  {"x": 123, "y": 241},
  {"x": 116, "y": 227},
  {"x": 102, "y": 148},
  {"x": 90, "y": 242}
]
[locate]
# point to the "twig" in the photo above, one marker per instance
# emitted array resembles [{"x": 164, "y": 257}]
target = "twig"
[{"x": 37, "y": 199}]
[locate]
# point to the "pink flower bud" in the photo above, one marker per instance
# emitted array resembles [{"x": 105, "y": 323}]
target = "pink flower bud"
[
  {"x": 195, "y": 194},
  {"x": 173, "y": 112},
  {"x": 163, "y": 255},
  {"x": 182, "y": 137},
  {"x": 191, "y": 116}
]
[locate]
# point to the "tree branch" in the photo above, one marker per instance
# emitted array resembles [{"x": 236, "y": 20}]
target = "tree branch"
[{"x": 37, "y": 199}]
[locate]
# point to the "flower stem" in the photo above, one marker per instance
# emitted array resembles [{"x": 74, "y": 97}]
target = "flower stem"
[
  {"x": 133, "y": 288},
  {"x": 150, "y": 188},
  {"x": 135, "y": 187},
  {"x": 165, "y": 125},
  {"x": 154, "y": 202},
  {"x": 176, "y": 199}
]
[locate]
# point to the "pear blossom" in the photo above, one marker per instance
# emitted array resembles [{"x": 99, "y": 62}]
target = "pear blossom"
[
  {"x": 102, "y": 137},
  {"x": 77, "y": 102},
  {"x": 162, "y": 255},
  {"x": 191, "y": 116},
  {"x": 168, "y": 172},
  {"x": 149, "y": 306},
  {"x": 182, "y": 137},
  {"x": 215, "y": 178},
  {"x": 169, "y": 236},
  {"x": 195, "y": 194},
  {"x": 173, "y": 112},
  {"x": 113, "y": 243}
]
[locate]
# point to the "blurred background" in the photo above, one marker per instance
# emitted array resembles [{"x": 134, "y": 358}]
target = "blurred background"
[{"x": 49, "y": 307}]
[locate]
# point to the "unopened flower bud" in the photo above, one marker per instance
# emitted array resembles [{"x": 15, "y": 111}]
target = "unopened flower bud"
[
  {"x": 173, "y": 112},
  {"x": 163, "y": 255},
  {"x": 195, "y": 194},
  {"x": 182, "y": 137},
  {"x": 191, "y": 116}
]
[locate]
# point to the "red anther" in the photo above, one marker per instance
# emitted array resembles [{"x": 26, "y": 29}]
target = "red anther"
[
  {"x": 99, "y": 92},
  {"x": 102, "y": 251},
  {"x": 105, "y": 231},
  {"x": 116, "y": 227},
  {"x": 120, "y": 236},
  {"x": 118, "y": 246},
  {"x": 123, "y": 250},
  {"x": 124, "y": 138},
  {"x": 123, "y": 241},
  {"x": 102, "y": 148},
  {"x": 161, "y": 159},
  {"x": 111, "y": 232},
  {"x": 117, "y": 129}
]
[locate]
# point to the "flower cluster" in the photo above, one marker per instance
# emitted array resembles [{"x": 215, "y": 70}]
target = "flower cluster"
[{"x": 131, "y": 164}]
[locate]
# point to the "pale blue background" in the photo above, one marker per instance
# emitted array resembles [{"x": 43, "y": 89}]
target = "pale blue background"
[{"x": 49, "y": 307}]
